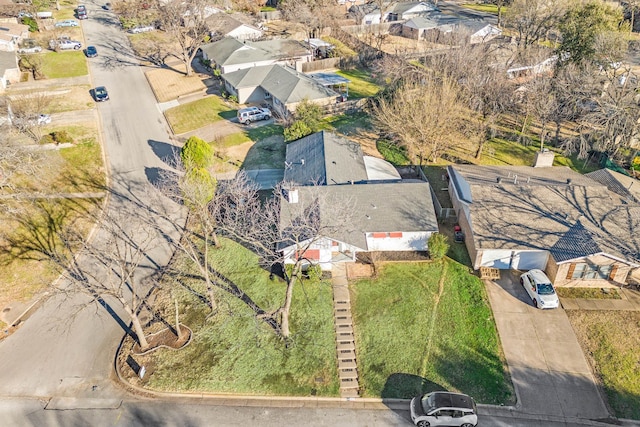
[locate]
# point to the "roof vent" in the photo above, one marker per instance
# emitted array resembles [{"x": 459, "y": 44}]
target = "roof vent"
[
  {"x": 568, "y": 181},
  {"x": 499, "y": 179}
]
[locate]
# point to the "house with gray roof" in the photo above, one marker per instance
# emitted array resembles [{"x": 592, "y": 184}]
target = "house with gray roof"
[
  {"x": 9, "y": 70},
  {"x": 281, "y": 86},
  {"x": 623, "y": 185},
  {"x": 370, "y": 13},
  {"x": 438, "y": 27},
  {"x": 225, "y": 25},
  {"x": 230, "y": 54},
  {"x": 388, "y": 212},
  {"x": 552, "y": 218}
]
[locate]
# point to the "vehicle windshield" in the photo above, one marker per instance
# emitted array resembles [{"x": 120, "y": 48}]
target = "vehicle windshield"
[
  {"x": 545, "y": 289},
  {"x": 428, "y": 403}
]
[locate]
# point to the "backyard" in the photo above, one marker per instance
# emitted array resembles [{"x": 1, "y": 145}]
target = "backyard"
[{"x": 428, "y": 326}]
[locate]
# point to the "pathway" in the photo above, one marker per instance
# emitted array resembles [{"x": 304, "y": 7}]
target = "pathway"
[{"x": 345, "y": 339}]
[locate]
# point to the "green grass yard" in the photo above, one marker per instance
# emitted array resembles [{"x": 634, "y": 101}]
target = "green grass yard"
[
  {"x": 362, "y": 84},
  {"x": 57, "y": 65},
  {"x": 196, "y": 114},
  {"x": 415, "y": 336},
  {"x": 232, "y": 351}
]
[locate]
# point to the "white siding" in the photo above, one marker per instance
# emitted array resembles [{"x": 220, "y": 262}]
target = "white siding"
[
  {"x": 506, "y": 259},
  {"x": 410, "y": 241},
  {"x": 496, "y": 258}
]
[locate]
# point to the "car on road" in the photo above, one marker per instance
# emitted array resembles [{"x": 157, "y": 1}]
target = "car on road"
[
  {"x": 91, "y": 52},
  {"x": 443, "y": 408},
  {"x": 67, "y": 23},
  {"x": 252, "y": 114},
  {"x": 65, "y": 44},
  {"x": 100, "y": 94},
  {"x": 81, "y": 8},
  {"x": 540, "y": 289},
  {"x": 82, "y": 15}
]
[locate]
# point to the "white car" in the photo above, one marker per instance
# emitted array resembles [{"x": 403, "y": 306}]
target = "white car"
[
  {"x": 65, "y": 44},
  {"x": 442, "y": 408},
  {"x": 44, "y": 119},
  {"x": 29, "y": 49},
  {"x": 252, "y": 114},
  {"x": 67, "y": 23},
  {"x": 138, "y": 30},
  {"x": 540, "y": 289}
]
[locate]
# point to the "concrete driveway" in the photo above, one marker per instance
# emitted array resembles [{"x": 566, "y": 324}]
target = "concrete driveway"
[{"x": 549, "y": 371}]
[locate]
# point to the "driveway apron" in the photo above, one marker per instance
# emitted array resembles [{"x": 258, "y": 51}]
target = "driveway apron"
[{"x": 548, "y": 368}]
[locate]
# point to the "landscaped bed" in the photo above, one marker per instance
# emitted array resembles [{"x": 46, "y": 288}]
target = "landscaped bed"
[
  {"x": 611, "y": 342},
  {"x": 233, "y": 351},
  {"x": 415, "y": 333}
]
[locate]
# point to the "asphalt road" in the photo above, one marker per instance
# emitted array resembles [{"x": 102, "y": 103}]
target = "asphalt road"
[{"x": 67, "y": 348}]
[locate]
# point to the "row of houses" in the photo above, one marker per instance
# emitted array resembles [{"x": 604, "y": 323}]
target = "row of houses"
[{"x": 580, "y": 229}]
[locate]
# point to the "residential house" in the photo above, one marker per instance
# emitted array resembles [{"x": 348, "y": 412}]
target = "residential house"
[
  {"x": 11, "y": 35},
  {"x": 625, "y": 186},
  {"x": 389, "y": 213},
  {"x": 281, "y": 86},
  {"x": 230, "y": 54},
  {"x": 371, "y": 14},
  {"x": 224, "y": 25},
  {"x": 551, "y": 218},
  {"x": 9, "y": 70},
  {"x": 438, "y": 27}
]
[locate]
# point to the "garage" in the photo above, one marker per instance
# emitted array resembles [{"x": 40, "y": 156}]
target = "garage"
[{"x": 504, "y": 259}]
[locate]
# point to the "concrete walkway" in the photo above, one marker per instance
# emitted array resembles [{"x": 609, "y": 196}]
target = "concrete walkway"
[
  {"x": 345, "y": 339},
  {"x": 549, "y": 371}
]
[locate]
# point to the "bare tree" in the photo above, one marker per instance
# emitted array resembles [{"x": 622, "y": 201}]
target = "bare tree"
[
  {"x": 184, "y": 21},
  {"x": 16, "y": 159},
  {"x": 280, "y": 231},
  {"x": 425, "y": 118},
  {"x": 314, "y": 15},
  {"x": 539, "y": 103},
  {"x": 25, "y": 110},
  {"x": 101, "y": 267},
  {"x": 533, "y": 19}
]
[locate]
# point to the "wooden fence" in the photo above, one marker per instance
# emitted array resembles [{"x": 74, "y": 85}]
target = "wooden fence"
[{"x": 322, "y": 64}]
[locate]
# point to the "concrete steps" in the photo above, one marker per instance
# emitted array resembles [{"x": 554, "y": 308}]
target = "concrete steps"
[{"x": 345, "y": 339}]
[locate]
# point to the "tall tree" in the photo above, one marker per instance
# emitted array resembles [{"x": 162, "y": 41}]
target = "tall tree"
[
  {"x": 184, "y": 21},
  {"x": 587, "y": 26},
  {"x": 533, "y": 19},
  {"x": 269, "y": 226},
  {"x": 425, "y": 117}
]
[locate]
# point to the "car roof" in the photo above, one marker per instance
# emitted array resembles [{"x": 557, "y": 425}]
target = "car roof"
[
  {"x": 101, "y": 88},
  {"x": 452, "y": 400},
  {"x": 538, "y": 276}
]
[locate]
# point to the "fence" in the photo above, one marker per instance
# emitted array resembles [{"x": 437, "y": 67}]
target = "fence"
[
  {"x": 322, "y": 64},
  {"x": 350, "y": 106}
]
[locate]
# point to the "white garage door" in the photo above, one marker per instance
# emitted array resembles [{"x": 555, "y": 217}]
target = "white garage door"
[
  {"x": 496, "y": 258},
  {"x": 527, "y": 260}
]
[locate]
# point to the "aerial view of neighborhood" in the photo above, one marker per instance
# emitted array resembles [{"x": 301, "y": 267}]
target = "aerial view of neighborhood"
[{"x": 320, "y": 213}]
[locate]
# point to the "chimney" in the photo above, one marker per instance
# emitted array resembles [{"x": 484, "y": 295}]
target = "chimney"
[
  {"x": 544, "y": 159},
  {"x": 568, "y": 181},
  {"x": 291, "y": 195},
  {"x": 499, "y": 179}
]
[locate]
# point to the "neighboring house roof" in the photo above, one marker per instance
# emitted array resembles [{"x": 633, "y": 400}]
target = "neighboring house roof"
[
  {"x": 231, "y": 51},
  {"x": 377, "y": 207},
  {"x": 283, "y": 83},
  {"x": 620, "y": 184},
  {"x": 222, "y": 23},
  {"x": 414, "y": 7},
  {"x": 8, "y": 61},
  {"x": 552, "y": 208},
  {"x": 329, "y": 159},
  {"x": 422, "y": 22}
]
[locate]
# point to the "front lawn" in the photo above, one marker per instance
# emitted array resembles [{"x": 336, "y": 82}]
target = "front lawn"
[
  {"x": 362, "y": 85},
  {"x": 415, "y": 334},
  {"x": 196, "y": 114},
  {"x": 57, "y": 65},
  {"x": 487, "y": 8},
  {"x": 233, "y": 351},
  {"x": 611, "y": 342}
]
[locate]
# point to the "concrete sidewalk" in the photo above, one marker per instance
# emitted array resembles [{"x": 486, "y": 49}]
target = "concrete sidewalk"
[{"x": 550, "y": 374}]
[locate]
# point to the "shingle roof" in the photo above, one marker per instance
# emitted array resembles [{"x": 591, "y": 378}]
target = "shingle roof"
[
  {"x": 383, "y": 207},
  {"x": 328, "y": 160},
  {"x": 536, "y": 208},
  {"x": 230, "y": 51},
  {"x": 620, "y": 184},
  {"x": 8, "y": 61}
]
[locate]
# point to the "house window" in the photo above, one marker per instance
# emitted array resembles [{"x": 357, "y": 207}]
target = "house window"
[
  {"x": 267, "y": 95},
  {"x": 397, "y": 235},
  {"x": 378, "y": 235},
  {"x": 591, "y": 272}
]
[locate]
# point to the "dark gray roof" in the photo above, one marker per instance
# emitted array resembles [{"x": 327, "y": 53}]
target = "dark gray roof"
[
  {"x": 378, "y": 207},
  {"x": 282, "y": 48},
  {"x": 620, "y": 184},
  {"x": 536, "y": 208},
  {"x": 404, "y": 7},
  {"x": 229, "y": 51},
  {"x": 328, "y": 160}
]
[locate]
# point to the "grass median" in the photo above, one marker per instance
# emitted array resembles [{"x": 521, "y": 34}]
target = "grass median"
[{"x": 422, "y": 327}]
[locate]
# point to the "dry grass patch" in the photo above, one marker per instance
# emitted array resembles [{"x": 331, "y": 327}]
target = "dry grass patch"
[
  {"x": 611, "y": 343},
  {"x": 589, "y": 293},
  {"x": 170, "y": 84}
]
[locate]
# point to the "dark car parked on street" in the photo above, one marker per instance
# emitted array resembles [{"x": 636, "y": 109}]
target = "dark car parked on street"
[
  {"x": 91, "y": 52},
  {"x": 100, "y": 94}
]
